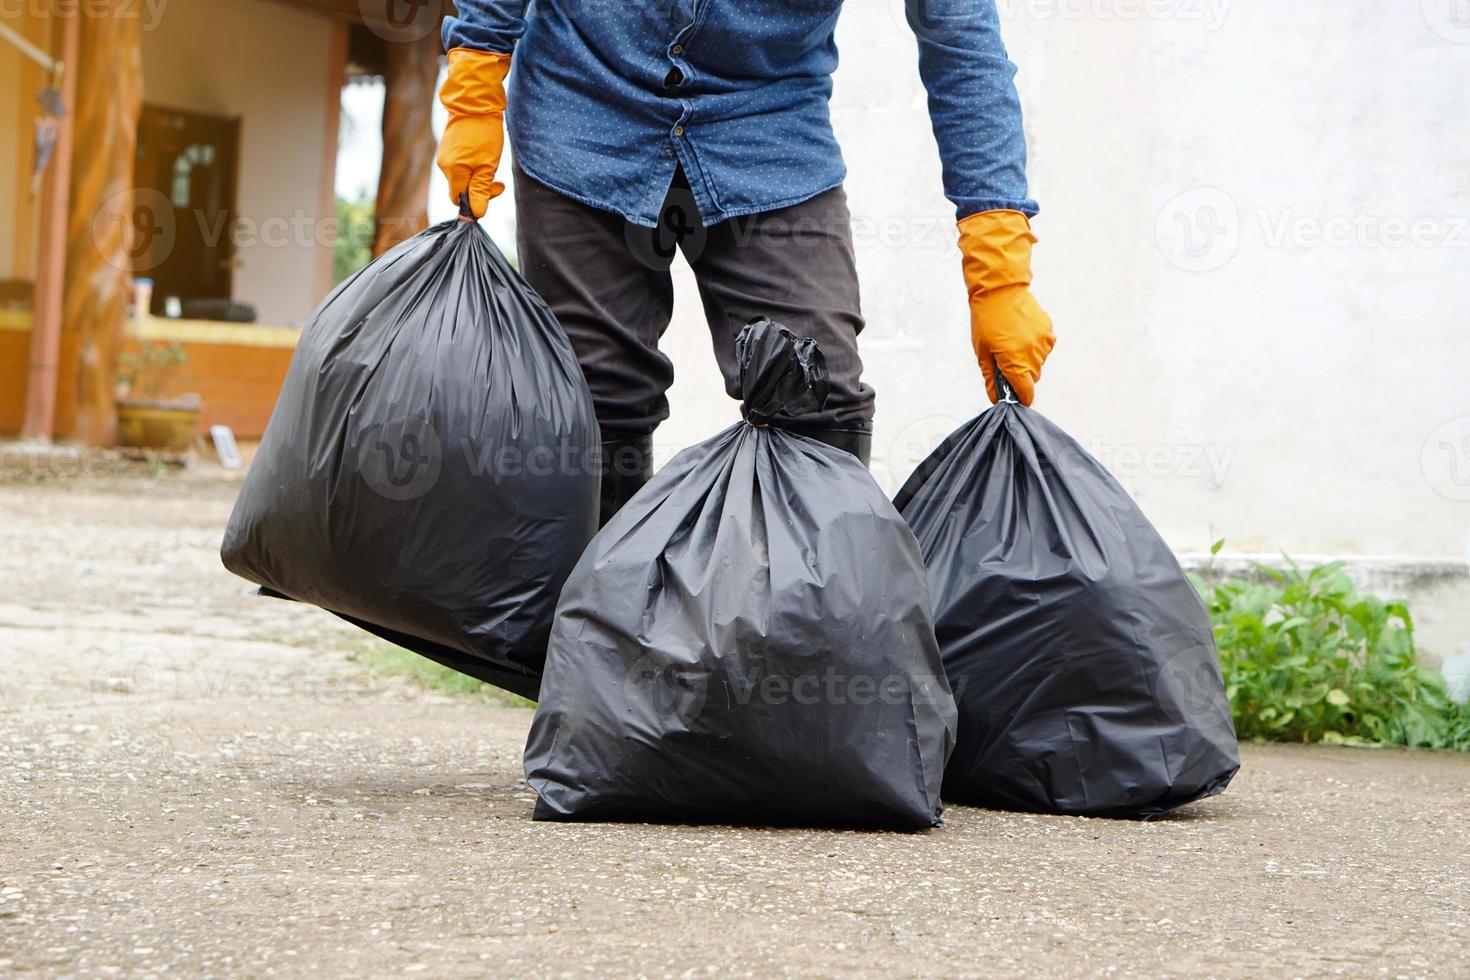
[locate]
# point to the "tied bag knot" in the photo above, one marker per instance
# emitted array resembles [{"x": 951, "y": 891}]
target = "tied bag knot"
[{"x": 781, "y": 374}]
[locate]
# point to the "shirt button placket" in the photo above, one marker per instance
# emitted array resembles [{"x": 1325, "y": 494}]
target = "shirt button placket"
[{"x": 677, "y": 75}]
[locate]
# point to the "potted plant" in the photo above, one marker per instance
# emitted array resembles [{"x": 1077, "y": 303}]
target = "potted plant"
[{"x": 145, "y": 418}]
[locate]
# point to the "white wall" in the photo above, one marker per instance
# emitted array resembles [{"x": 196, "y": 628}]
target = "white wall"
[
  {"x": 269, "y": 64},
  {"x": 1286, "y": 395}
]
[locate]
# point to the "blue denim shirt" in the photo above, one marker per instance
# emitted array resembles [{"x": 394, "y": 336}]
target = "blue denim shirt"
[{"x": 607, "y": 96}]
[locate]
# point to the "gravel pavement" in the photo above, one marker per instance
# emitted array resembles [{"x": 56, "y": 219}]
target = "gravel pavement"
[{"x": 199, "y": 782}]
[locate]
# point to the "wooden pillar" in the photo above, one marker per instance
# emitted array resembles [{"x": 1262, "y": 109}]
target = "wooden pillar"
[
  {"x": 408, "y": 140},
  {"x": 327, "y": 192},
  {"x": 99, "y": 278},
  {"x": 45, "y": 350}
]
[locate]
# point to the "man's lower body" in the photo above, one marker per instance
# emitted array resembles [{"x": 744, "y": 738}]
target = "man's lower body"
[{"x": 608, "y": 282}]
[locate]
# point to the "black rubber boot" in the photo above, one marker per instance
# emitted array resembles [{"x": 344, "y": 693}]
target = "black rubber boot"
[
  {"x": 627, "y": 464},
  {"x": 856, "y": 439}
]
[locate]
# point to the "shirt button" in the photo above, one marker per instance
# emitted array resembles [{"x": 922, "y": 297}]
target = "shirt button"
[
  {"x": 677, "y": 49},
  {"x": 678, "y": 130}
]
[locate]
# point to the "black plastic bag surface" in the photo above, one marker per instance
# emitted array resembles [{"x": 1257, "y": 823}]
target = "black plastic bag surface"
[
  {"x": 1080, "y": 655},
  {"x": 430, "y": 470},
  {"x": 749, "y": 638}
]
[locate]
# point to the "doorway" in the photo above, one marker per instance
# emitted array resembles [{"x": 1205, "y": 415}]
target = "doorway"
[{"x": 184, "y": 208}]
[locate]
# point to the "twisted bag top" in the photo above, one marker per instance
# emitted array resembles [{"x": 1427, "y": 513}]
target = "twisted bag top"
[
  {"x": 749, "y": 638},
  {"x": 781, "y": 375}
]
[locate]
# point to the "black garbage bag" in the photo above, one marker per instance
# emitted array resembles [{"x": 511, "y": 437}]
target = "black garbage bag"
[
  {"x": 749, "y": 638},
  {"x": 1080, "y": 655},
  {"x": 430, "y": 470}
]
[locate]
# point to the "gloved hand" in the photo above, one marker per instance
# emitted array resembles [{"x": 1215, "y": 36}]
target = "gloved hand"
[
  {"x": 474, "y": 137},
  {"x": 1009, "y": 328}
]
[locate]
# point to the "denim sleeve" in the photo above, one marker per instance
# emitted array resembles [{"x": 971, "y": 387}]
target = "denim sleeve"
[
  {"x": 973, "y": 104},
  {"x": 486, "y": 25}
]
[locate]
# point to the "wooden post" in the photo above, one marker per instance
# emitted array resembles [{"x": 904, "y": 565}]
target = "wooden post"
[
  {"x": 408, "y": 140},
  {"x": 99, "y": 278},
  {"x": 327, "y": 194},
  {"x": 41, "y": 381}
]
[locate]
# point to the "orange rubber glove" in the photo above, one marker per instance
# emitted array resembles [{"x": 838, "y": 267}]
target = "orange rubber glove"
[
  {"x": 474, "y": 137},
  {"x": 1009, "y": 328}
]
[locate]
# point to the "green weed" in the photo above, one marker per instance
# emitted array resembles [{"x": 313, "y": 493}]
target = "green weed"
[
  {"x": 389, "y": 660},
  {"x": 1308, "y": 658}
]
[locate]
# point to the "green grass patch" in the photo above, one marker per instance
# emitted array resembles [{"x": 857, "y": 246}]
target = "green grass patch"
[
  {"x": 1308, "y": 658},
  {"x": 391, "y": 661}
]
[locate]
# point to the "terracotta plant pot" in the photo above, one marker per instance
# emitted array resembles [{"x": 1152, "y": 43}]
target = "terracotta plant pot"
[{"x": 167, "y": 426}]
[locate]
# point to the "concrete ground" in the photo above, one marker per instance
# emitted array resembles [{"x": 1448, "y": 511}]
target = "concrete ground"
[{"x": 199, "y": 782}]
